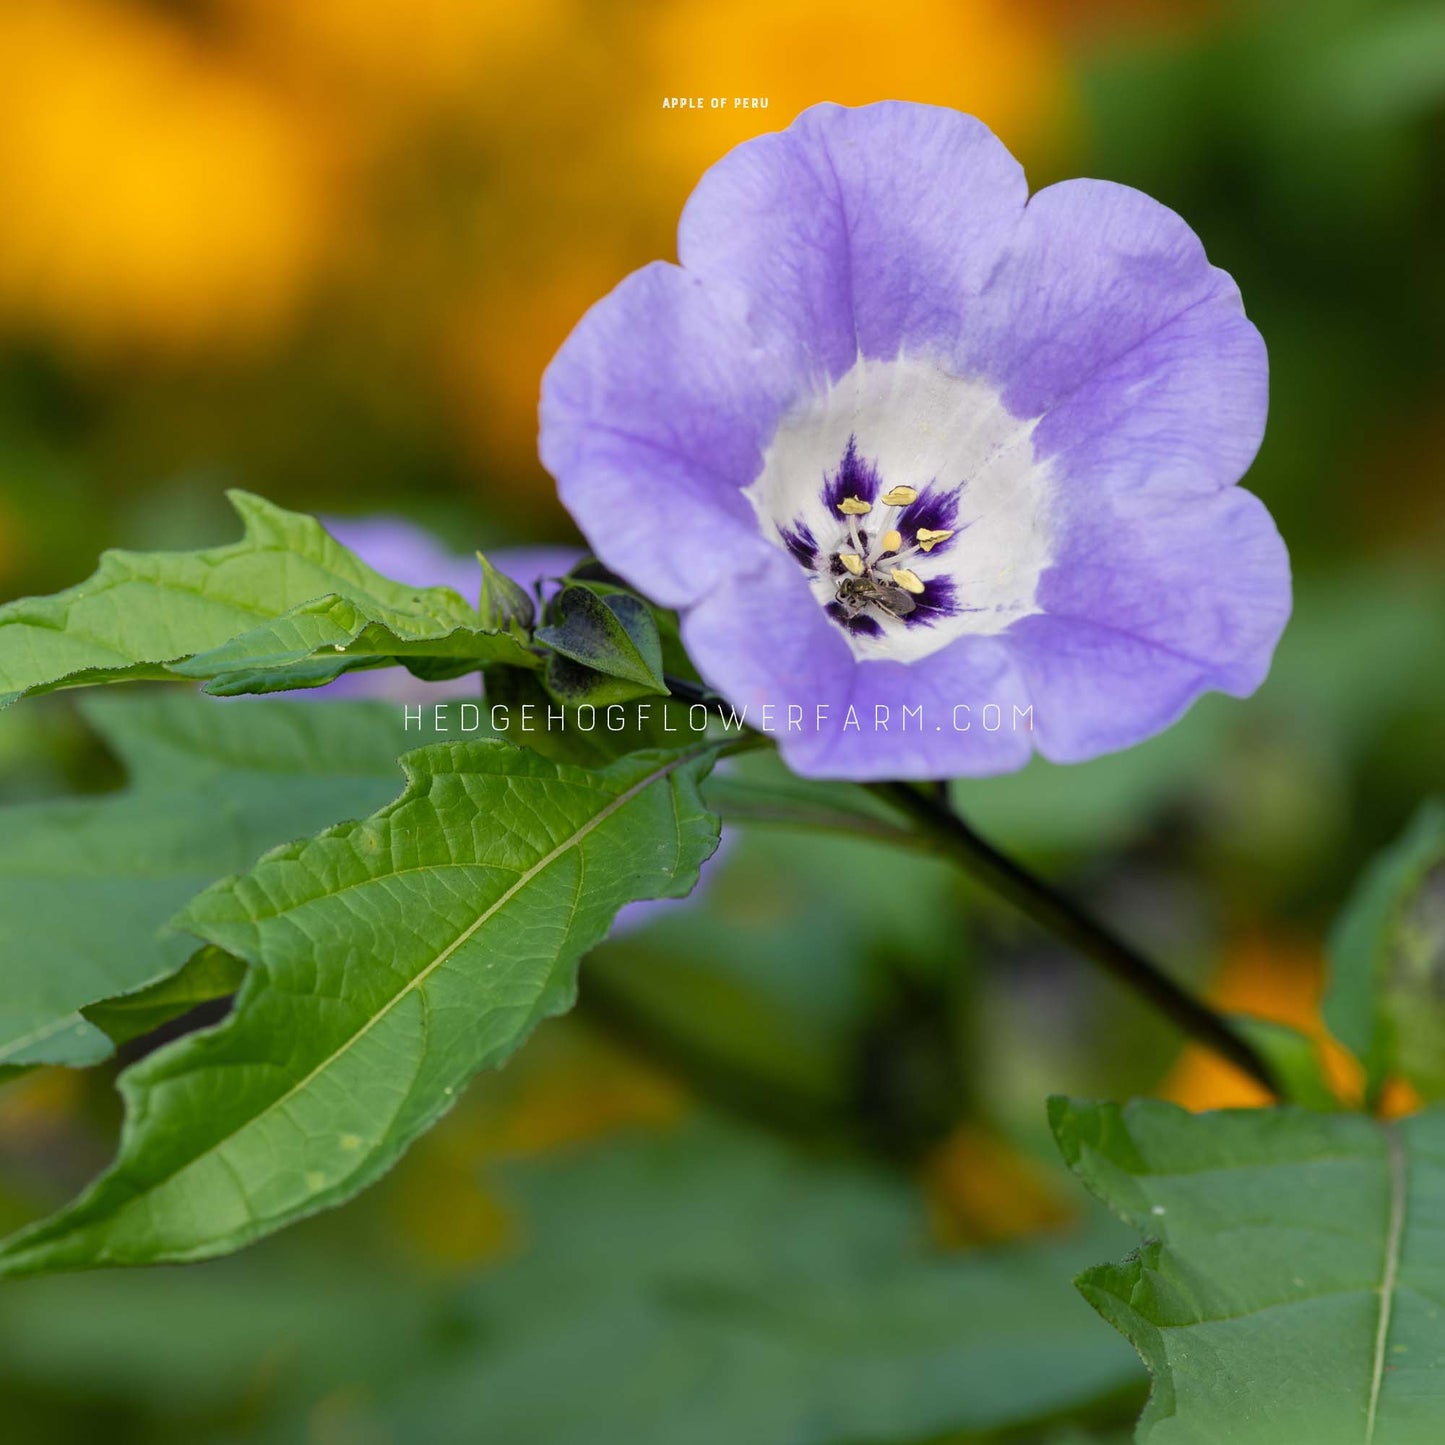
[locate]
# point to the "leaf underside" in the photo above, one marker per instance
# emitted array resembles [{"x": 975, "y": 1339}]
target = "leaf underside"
[
  {"x": 391, "y": 960},
  {"x": 1291, "y": 1287}
]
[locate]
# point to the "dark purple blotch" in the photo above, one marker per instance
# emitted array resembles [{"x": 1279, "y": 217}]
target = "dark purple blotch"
[
  {"x": 855, "y": 477},
  {"x": 861, "y": 625},
  {"x": 800, "y": 541},
  {"x": 936, "y": 509},
  {"x": 937, "y": 601}
]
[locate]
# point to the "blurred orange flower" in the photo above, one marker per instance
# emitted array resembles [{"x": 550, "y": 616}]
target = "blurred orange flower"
[
  {"x": 384, "y": 57},
  {"x": 1268, "y": 978},
  {"x": 152, "y": 194},
  {"x": 979, "y": 1189}
]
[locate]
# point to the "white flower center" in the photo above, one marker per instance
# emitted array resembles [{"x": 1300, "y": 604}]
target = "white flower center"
[{"x": 913, "y": 500}]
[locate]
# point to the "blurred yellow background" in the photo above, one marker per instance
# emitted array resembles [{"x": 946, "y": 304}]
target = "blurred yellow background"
[{"x": 405, "y": 207}]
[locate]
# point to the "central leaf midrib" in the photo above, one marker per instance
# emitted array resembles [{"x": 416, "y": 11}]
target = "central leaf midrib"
[{"x": 1389, "y": 1273}]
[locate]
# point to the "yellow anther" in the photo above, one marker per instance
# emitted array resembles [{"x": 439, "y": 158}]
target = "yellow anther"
[
  {"x": 854, "y": 507},
  {"x": 892, "y": 541},
  {"x": 907, "y": 580},
  {"x": 900, "y": 497},
  {"x": 852, "y": 561},
  {"x": 928, "y": 539}
]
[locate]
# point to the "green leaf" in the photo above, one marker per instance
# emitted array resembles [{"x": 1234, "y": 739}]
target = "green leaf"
[
  {"x": 392, "y": 959},
  {"x": 1289, "y": 1286},
  {"x": 675, "y": 660},
  {"x": 708, "y": 1287},
  {"x": 503, "y": 604},
  {"x": 1386, "y": 999},
  {"x": 606, "y": 645},
  {"x": 88, "y": 885},
  {"x": 287, "y": 605},
  {"x": 206, "y": 976},
  {"x": 315, "y": 643}
]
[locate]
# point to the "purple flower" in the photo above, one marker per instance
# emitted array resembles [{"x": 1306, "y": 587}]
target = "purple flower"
[
  {"x": 407, "y": 553},
  {"x": 896, "y": 436}
]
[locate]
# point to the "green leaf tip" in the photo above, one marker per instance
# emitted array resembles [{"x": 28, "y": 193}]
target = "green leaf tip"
[{"x": 503, "y": 603}]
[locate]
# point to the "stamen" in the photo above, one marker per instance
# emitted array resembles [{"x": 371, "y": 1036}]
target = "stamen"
[
  {"x": 900, "y": 497},
  {"x": 854, "y": 507},
  {"x": 928, "y": 539},
  {"x": 908, "y": 581},
  {"x": 892, "y": 541},
  {"x": 852, "y": 561}
]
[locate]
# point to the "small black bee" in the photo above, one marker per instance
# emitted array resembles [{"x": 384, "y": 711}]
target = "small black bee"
[{"x": 857, "y": 593}]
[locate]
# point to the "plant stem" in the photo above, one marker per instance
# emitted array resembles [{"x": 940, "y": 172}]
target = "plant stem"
[{"x": 1067, "y": 921}]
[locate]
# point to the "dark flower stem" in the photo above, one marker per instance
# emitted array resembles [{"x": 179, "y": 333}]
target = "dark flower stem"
[
  {"x": 1068, "y": 922},
  {"x": 927, "y": 806}
]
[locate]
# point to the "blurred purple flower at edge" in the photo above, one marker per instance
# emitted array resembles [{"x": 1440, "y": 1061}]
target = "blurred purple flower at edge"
[
  {"x": 896, "y": 435},
  {"x": 407, "y": 553}
]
